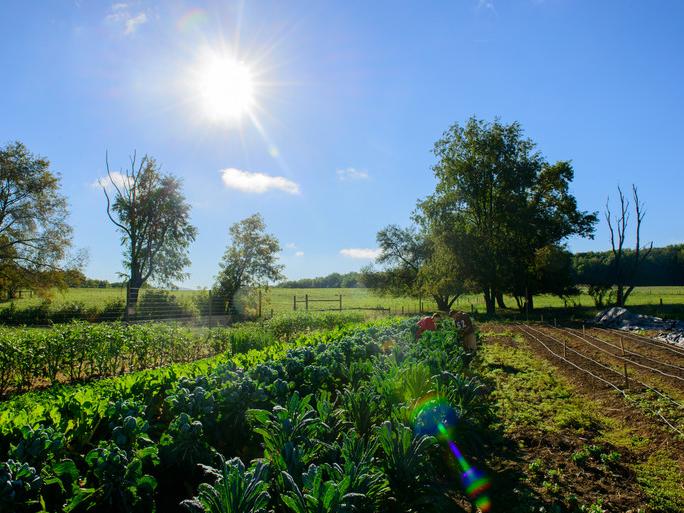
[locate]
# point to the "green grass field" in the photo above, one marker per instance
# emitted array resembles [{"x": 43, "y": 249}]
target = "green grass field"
[{"x": 279, "y": 300}]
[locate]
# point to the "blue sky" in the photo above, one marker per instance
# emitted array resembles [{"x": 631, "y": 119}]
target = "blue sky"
[{"x": 349, "y": 98}]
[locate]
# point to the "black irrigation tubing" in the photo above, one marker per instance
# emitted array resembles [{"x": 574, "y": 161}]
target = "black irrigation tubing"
[
  {"x": 522, "y": 328},
  {"x": 575, "y": 352},
  {"x": 627, "y": 351},
  {"x": 639, "y": 338},
  {"x": 665, "y": 396},
  {"x": 620, "y": 357}
]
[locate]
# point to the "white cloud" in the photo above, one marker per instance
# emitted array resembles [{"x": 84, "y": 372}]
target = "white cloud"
[
  {"x": 361, "y": 253},
  {"x": 486, "y": 4},
  {"x": 299, "y": 254},
  {"x": 290, "y": 245},
  {"x": 119, "y": 179},
  {"x": 350, "y": 173},
  {"x": 133, "y": 23},
  {"x": 120, "y": 14},
  {"x": 257, "y": 183}
]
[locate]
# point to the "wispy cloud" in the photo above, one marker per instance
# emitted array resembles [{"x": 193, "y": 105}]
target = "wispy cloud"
[
  {"x": 124, "y": 16},
  {"x": 350, "y": 174},
  {"x": 361, "y": 253},
  {"x": 119, "y": 179},
  {"x": 290, "y": 245},
  {"x": 299, "y": 254},
  {"x": 257, "y": 183},
  {"x": 486, "y": 4}
]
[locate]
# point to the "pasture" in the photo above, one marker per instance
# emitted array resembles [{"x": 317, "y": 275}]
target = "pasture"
[{"x": 280, "y": 300}]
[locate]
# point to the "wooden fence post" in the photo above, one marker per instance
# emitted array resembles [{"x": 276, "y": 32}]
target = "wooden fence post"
[
  {"x": 340, "y": 302},
  {"x": 565, "y": 349},
  {"x": 259, "y": 303},
  {"x": 211, "y": 304},
  {"x": 306, "y": 302},
  {"x": 624, "y": 362},
  {"x": 294, "y": 302}
]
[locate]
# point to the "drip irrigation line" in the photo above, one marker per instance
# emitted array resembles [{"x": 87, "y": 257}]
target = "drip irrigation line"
[
  {"x": 656, "y": 391},
  {"x": 612, "y": 385},
  {"x": 630, "y": 352},
  {"x": 620, "y": 357},
  {"x": 575, "y": 352},
  {"x": 639, "y": 338}
]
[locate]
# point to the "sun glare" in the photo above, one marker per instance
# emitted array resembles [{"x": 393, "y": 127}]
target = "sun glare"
[{"x": 226, "y": 88}]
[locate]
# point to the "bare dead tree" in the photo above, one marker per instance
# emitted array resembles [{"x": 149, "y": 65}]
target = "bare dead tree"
[{"x": 625, "y": 266}]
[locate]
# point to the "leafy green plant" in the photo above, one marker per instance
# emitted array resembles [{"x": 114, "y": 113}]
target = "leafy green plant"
[
  {"x": 19, "y": 486},
  {"x": 406, "y": 464},
  {"x": 360, "y": 409},
  {"x": 37, "y": 445},
  {"x": 289, "y": 434},
  {"x": 234, "y": 490},
  {"x": 120, "y": 483}
]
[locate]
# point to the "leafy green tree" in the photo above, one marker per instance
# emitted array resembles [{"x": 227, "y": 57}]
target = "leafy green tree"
[
  {"x": 416, "y": 264},
  {"x": 551, "y": 272},
  {"x": 34, "y": 235},
  {"x": 251, "y": 260},
  {"x": 150, "y": 212},
  {"x": 497, "y": 201}
]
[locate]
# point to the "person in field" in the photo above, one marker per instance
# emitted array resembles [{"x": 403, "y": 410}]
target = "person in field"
[
  {"x": 427, "y": 324},
  {"x": 465, "y": 326}
]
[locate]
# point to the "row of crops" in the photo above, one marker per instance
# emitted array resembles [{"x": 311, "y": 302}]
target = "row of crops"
[
  {"x": 65, "y": 353},
  {"x": 358, "y": 418}
]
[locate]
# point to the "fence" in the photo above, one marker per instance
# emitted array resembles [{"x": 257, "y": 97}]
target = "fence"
[{"x": 199, "y": 306}]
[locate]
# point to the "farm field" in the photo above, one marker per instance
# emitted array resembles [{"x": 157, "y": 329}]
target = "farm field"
[
  {"x": 362, "y": 417},
  {"x": 280, "y": 300}
]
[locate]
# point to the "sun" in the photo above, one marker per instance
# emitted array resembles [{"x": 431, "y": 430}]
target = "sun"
[{"x": 225, "y": 87}]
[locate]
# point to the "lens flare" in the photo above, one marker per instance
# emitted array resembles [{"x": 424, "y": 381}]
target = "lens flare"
[
  {"x": 433, "y": 415},
  {"x": 192, "y": 20},
  {"x": 431, "y": 412}
]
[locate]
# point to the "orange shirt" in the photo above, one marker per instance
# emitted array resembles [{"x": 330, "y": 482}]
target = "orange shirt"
[{"x": 426, "y": 324}]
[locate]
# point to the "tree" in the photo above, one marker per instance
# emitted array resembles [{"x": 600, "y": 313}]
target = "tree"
[
  {"x": 151, "y": 214},
  {"x": 34, "y": 235},
  {"x": 625, "y": 267},
  {"x": 497, "y": 201},
  {"x": 551, "y": 272},
  {"x": 416, "y": 265},
  {"x": 251, "y": 259}
]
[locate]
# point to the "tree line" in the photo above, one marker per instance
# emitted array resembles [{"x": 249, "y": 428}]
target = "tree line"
[
  {"x": 498, "y": 222},
  {"x": 331, "y": 281}
]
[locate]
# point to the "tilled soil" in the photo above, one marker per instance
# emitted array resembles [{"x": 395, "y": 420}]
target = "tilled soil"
[{"x": 614, "y": 484}]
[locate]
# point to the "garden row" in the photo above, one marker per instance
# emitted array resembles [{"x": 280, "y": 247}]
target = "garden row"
[
  {"x": 33, "y": 357},
  {"x": 331, "y": 421}
]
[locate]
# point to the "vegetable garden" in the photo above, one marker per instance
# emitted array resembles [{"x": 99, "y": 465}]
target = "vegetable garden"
[
  {"x": 356, "y": 418},
  {"x": 34, "y": 357}
]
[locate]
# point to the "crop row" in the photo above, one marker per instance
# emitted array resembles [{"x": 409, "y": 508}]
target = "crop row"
[
  {"x": 75, "y": 351},
  {"x": 324, "y": 423}
]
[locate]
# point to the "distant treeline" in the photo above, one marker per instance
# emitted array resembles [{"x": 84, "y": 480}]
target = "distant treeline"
[
  {"x": 664, "y": 266},
  {"x": 331, "y": 281}
]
